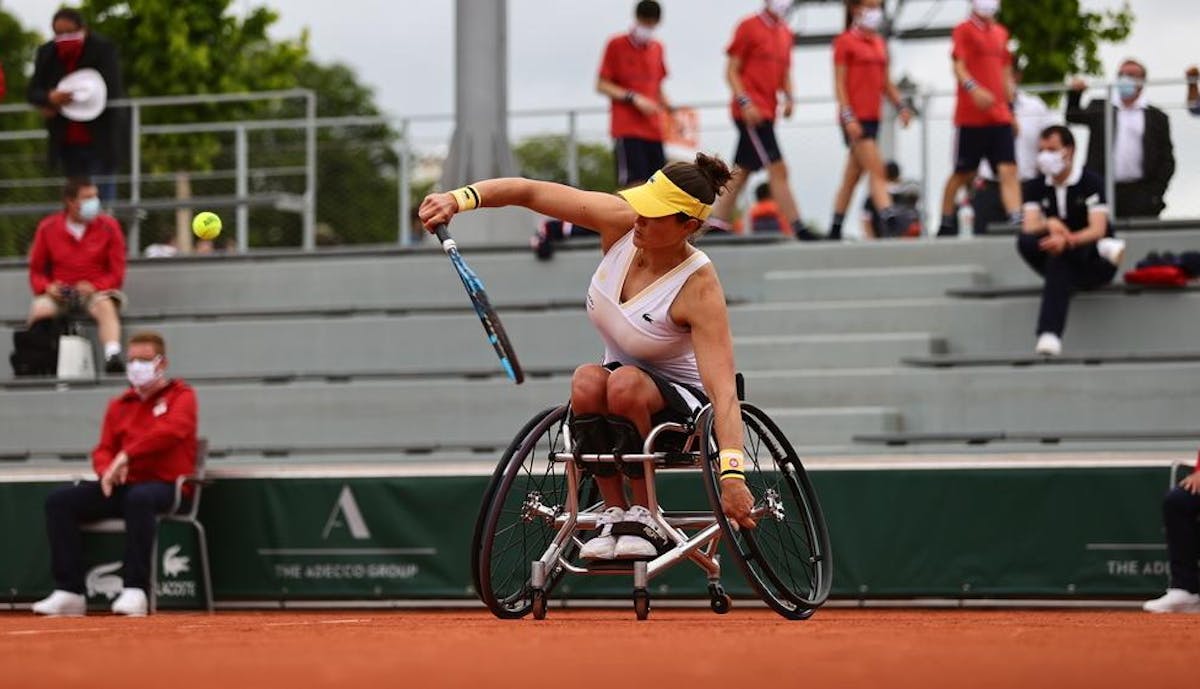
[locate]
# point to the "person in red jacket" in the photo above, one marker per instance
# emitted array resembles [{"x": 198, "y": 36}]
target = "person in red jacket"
[
  {"x": 148, "y": 440},
  {"x": 78, "y": 256},
  {"x": 758, "y": 72},
  {"x": 631, "y": 75},
  {"x": 983, "y": 111}
]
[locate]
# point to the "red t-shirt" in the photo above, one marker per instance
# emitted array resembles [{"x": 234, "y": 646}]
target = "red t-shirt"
[
  {"x": 864, "y": 56},
  {"x": 983, "y": 48},
  {"x": 764, "y": 46},
  {"x": 157, "y": 433},
  {"x": 637, "y": 68},
  {"x": 98, "y": 256}
]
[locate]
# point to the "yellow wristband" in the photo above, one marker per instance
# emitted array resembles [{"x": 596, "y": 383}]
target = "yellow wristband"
[
  {"x": 733, "y": 464},
  {"x": 467, "y": 198}
]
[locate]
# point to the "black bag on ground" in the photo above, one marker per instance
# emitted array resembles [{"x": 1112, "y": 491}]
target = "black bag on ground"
[{"x": 35, "y": 350}]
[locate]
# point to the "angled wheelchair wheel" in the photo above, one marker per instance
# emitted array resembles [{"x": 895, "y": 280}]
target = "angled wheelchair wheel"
[
  {"x": 516, "y": 522},
  {"x": 786, "y": 559}
]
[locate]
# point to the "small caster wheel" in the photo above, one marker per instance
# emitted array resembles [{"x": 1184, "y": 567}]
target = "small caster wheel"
[
  {"x": 641, "y": 603},
  {"x": 539, "y": 604},
  {"x": 719, "y": 600}
]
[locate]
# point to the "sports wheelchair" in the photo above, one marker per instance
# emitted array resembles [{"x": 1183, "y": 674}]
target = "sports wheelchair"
[{"x": 539, "y": 501}]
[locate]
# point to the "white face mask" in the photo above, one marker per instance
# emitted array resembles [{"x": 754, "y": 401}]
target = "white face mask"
[
  {"x": 1051, "y": 163},
  {"x": 871, "y": 18},
  {"x": 986, "y": 8},
  {"x": 142, "y": 374},
  {"x": 779, "y": 8},
  {"x": 642, "y": 33},
  {"x": 89, "y": 209}
]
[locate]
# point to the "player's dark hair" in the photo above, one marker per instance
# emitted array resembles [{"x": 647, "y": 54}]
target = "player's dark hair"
[
  {"x": 70, "y": 14},
  {"x": 1064, "y": 135},
  {"x": 74, "y": 185},
  {"x": 649, "y": 10}
]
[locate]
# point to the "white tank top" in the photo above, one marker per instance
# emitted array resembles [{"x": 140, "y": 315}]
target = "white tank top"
[{"x": 640, "y": 332}]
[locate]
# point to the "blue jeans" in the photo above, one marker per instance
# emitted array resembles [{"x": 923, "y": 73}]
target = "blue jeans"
[{"x": 68, "y": 507}]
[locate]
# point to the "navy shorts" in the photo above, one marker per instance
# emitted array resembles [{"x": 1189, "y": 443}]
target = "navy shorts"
[
  {"x": 995, "y": 143},
  {"x": 683, "y": 401},
  {"x": 870, "y": 130},
  {"x": 756, "y": 147},
  {"x": 637, "y": 159}
]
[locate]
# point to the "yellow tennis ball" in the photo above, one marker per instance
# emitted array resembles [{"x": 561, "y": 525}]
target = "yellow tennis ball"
[{"x": 206, "y": 225}]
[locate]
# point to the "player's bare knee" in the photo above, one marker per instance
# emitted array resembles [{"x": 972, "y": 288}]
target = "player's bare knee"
[
  {"x": 627, "y": 392},
  {"x": 589, "y": 388}
]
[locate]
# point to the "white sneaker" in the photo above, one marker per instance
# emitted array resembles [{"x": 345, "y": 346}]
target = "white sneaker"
[
  {"x": 1174, "y": 600},
  {"x": 132, "y": 602},
  {"x": 632, "y": 547},
  {"x": 62, "y": 604},
  {"x": 1048, "y": 344},
  {"x": 1111, "y": 250},
  {"x": 601, "y": 547}
]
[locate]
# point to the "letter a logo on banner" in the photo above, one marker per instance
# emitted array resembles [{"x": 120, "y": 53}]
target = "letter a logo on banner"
[{"x": 347, "y": 508}]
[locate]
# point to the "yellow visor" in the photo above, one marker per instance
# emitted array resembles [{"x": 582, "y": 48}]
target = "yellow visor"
[{"x": 659, "y": 197}]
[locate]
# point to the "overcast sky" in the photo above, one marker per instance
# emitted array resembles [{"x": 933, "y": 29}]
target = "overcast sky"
[{"x": 404, "y": 49}]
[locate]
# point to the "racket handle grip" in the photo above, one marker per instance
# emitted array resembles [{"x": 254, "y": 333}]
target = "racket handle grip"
[{"x": 442, "y": 232}]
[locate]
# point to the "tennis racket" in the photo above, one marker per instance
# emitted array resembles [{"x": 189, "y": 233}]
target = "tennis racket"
[{"x": 491, "y": 322}]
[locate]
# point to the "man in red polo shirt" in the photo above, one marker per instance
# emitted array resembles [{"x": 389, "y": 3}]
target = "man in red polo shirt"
[
  {"x": 147, "y": 441},
  {"x": 758, "y": 70},
  {"x": 631, "y": 74},
  {"x": 78, "y": 256},
  {"x": 983, "y": 115}
]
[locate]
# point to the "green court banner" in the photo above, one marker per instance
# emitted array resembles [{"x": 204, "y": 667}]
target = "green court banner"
[{"x": 956, "y": 533}]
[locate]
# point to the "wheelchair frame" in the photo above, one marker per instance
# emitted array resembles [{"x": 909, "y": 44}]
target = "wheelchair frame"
[{"x": 700, "y": 548}]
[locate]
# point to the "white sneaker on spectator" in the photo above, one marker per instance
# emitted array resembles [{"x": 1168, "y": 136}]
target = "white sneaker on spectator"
[
  {"x": 1174, "y": 600},
  {"x": 1111, "y": 250},
  {"x": 1048, "y": 344},
  {"x": 632, "y": 547},
  {"x": 602, "y": 546},
  {"x": 62, "y": 604},
  {"x": 132, "y": 602}
]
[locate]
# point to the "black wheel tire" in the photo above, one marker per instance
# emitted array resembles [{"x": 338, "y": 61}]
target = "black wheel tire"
[
  {"x": 720, "y": 601},
  {"x": 772, "y": 464},
  {"x": 641, "y": 604},
  {"x": 538, "y": 604},
  {"x": 503, "y": 571}
]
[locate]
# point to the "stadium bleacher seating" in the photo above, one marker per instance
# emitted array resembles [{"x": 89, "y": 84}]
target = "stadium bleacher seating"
[{"x": 377, "y": 355}]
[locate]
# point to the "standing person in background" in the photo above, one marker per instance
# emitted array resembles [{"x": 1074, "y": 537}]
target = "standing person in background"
[
  {"x": 631, "y": 74},
  {"x": 1143, "y": 156},
  {"x": 759, "y": 69},
  {"x": 1032, "y": 118},
  {"x": 1193, "y": 89},
  {"x": 1180, "y": 510},
  {"x": 860, "y": 81},
  {"x": 983, "y": 70},
  {"x": 77, "y": 149}
]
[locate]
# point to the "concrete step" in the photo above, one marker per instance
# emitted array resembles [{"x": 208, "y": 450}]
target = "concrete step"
[
  {"x": 832, "y": 426},
  {"x": 870, "y": 283}
]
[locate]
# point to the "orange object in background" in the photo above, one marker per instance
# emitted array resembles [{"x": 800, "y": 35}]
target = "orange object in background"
[{"x": 681, "y": 128}]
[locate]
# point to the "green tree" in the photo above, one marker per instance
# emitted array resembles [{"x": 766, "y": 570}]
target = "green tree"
[
  {"x": 175, "y": 48},
  {"x": 1056, "y": 38},
  {"x": 20, "y": 160},
  {"x": 545, "y": 157}
]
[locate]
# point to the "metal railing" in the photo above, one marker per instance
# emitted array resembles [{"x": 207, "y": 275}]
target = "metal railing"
[{"x": 811, "y": 143}]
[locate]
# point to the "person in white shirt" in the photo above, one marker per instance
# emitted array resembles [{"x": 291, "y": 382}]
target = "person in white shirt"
[
  {"x": 1033, "y": 116},
  {"x": 1143, "y": 155}
]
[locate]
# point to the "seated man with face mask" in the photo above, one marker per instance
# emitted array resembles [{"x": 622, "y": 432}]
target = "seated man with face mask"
[
  {"x": 147, "y": 441},
  {"x": 78, "y": 257},
  {"x": 1065, "y": 236}
]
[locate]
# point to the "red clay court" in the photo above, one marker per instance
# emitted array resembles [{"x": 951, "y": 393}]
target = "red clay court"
[{"x": 844, "y": 648}]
